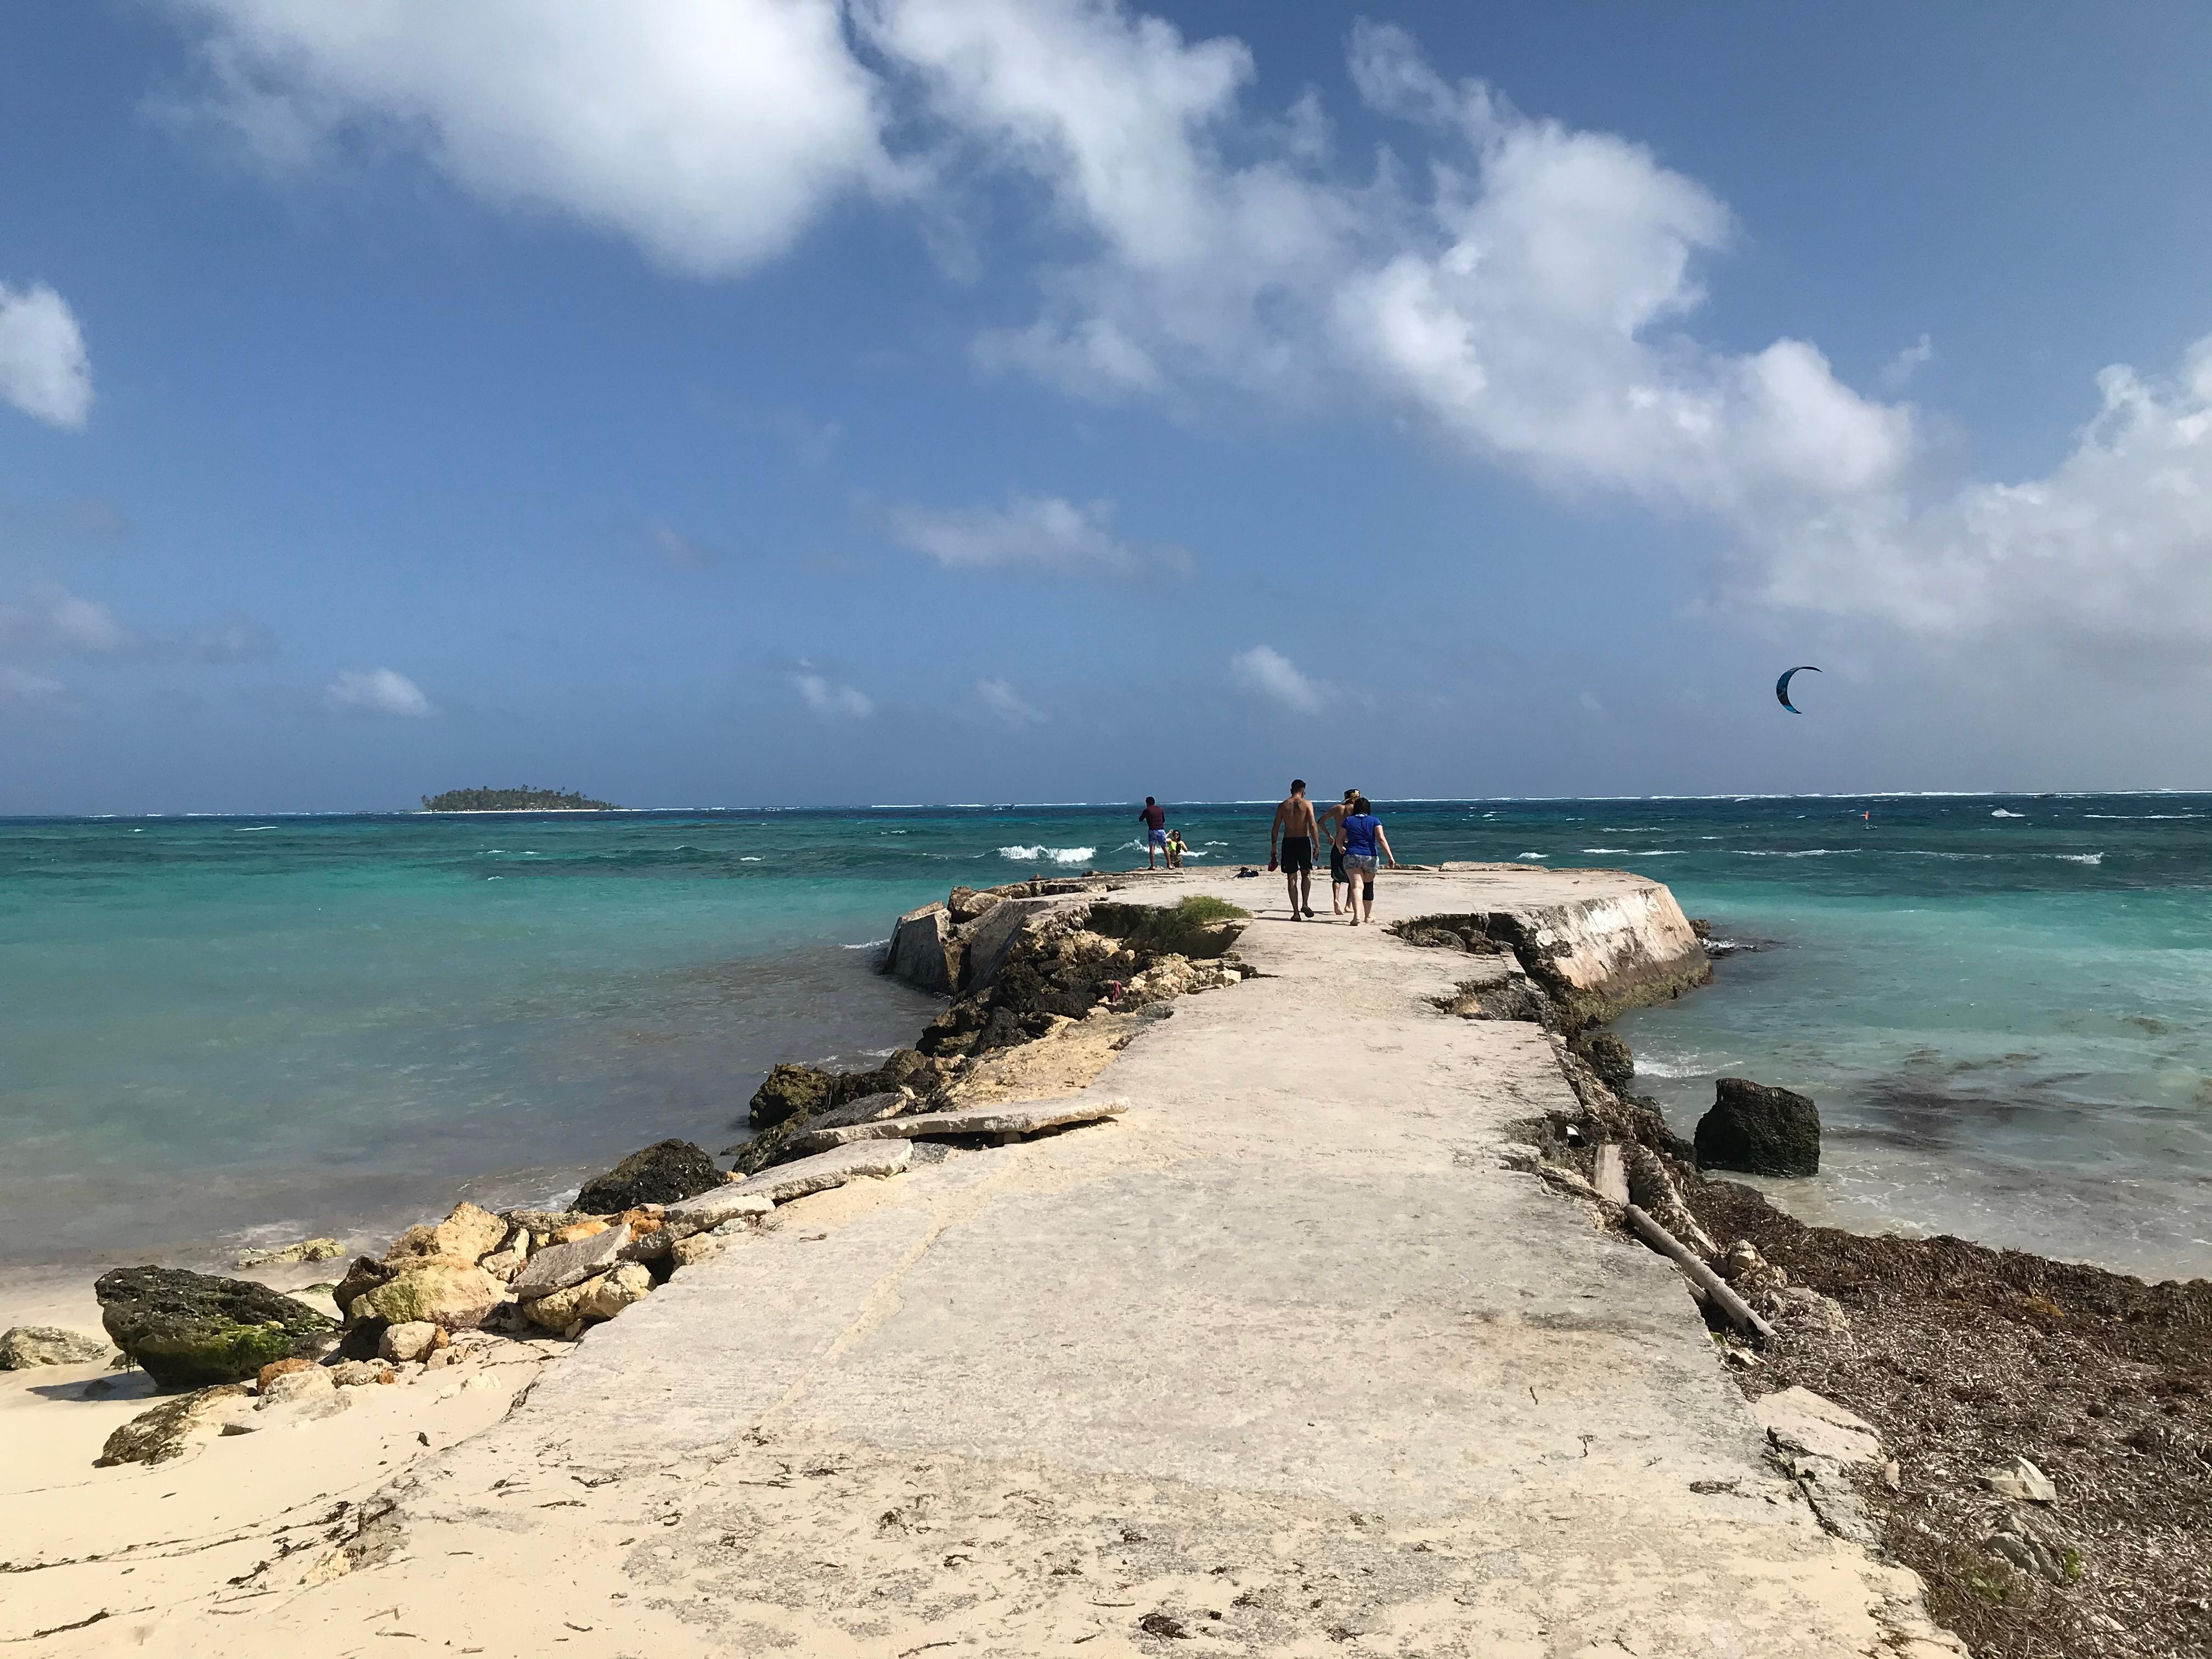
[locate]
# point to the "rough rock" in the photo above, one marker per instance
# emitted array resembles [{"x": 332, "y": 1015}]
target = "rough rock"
[
  {"x": 304, "y": 1383},
  {"x": 558, "y": 1267},
  {"x": 789, "y": 1091},
  {"x": 659, "y": 1174},
  {"x": 826, "y": 1169},
  {"x": 469, "y": 1232},
  {"x": 358, "y": 1373},
  {"x": 503, "y": 1265},
  {"x": 1799, "y": 1422},
  {"x": 576, "y": 1230},
  {"x": 168, "y": 1429},
  {"x": 2021, "y": 1480},
  {"x": 307, "y": 1249},
  {"x": 2023, "y": 1540},
  {"x": 407, "y": 1342},
  {"x": 729, "y": 1203},
  {"x": 924, "y": 950},
  {"x": 968, "y": 904},
  {"x": 1749, "y": 1272},
  {"x": 542, "y": 1224},
  {"x": 447, "y": 1293},
  {"x": 993, "y": 938},
  {"x": 1609, "y": 1057},
  {"x": 27, "y": 1346},
  {"x": 1760, "y": 1130},
  {"x": 601, "y": 1297},
  {"x": 364, "y": 1275},
  {"x": 1025, "y": 1118},
  {"x": 187, "y": 1330},
  {"x": 276, "y": 1368},
  {"x": 700, "y": 1247}
]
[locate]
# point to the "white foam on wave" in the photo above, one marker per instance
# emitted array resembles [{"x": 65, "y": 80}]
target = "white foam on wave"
[
  {"x": 748, "y": 857},
  {"x": 2080, "y": 857},
  {"x": 1518, "y": 857},
  {"x": 2139, "y": 817},
  {"x": 1605, "y": 849},
  {"x": 871, "y": 944},
  {"x": 2001, "y": 813},
  {"x": 251, "y": 829},
  {"x": 1050, "y": 854}
]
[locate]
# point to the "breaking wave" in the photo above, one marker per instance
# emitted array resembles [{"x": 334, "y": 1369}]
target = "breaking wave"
[{"x": 1050, "y": 854}]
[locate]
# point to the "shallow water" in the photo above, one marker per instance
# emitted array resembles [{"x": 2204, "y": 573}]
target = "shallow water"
[{"x": 227, "y": 1029}]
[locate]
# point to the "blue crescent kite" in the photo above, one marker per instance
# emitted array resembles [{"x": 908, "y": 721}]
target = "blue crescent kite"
[{"x": 1782, "y": 686}]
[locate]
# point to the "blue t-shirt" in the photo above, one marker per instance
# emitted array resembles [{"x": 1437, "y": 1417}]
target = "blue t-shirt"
[{"x": 1359, "y": 831}]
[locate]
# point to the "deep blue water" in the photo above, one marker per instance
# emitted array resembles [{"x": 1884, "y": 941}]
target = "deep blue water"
[{"x": 225, "y": 1028}]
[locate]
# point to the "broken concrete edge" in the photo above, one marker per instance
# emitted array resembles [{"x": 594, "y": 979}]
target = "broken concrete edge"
[
  {"x": 781, "y": 1182},
  {"x": 1020, "y": 1119}
]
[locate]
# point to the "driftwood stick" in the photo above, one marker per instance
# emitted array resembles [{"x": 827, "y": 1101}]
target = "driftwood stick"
[{"x": 1722, "y": 1293}]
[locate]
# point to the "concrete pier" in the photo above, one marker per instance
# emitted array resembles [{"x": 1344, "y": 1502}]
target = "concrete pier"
[{"x": 1282, "y": 1359}]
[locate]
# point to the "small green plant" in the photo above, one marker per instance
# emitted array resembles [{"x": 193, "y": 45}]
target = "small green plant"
[{"x": 1200, "y": 907}]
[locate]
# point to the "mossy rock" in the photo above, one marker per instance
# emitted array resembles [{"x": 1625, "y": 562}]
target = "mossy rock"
[{"x": 188, "y": 1330}]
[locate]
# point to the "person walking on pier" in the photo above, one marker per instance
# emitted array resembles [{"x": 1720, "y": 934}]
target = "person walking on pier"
[
  {"x": 1330, "y": 822},
  {"x": 1360, "y": 833},
  {"x": 1155, "y": 819},
  {"x": 1294, "y": 827}
]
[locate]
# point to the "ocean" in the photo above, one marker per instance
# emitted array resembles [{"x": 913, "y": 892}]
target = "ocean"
[{"x": 217, "y": 1031}]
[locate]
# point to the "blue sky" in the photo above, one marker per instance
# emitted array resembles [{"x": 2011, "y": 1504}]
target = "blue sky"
[{"x": 736, "y": 402}]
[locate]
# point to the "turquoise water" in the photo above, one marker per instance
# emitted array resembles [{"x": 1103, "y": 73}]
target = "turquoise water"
[{"x": 218, "y": 1030}]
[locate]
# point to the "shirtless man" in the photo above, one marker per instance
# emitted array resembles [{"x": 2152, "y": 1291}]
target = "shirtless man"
[{"x": 1294, "y": 828}]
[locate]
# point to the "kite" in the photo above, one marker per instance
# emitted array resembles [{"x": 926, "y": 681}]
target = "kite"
[{"x": 1782, "y": 686}]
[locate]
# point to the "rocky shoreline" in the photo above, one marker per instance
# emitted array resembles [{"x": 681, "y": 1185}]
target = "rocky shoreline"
[
  {"x": 238, "y": 1357},
  {"x": 2032, "y": 1438}
]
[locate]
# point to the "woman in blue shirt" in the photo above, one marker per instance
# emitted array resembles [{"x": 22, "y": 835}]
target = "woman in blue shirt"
[{"x": 1360, "y": 833}]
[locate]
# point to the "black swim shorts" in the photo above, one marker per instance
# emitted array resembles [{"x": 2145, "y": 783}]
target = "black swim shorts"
[
  {"x": 1297, "y": 854},
  {"x": 1336, "y": 865}
]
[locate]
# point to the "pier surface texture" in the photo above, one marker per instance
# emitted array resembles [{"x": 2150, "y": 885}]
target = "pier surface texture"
[{"x": 1282, "y": 1359}]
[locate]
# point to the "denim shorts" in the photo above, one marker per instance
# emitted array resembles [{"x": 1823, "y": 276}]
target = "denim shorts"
[{"x": 1357, "y": 865}]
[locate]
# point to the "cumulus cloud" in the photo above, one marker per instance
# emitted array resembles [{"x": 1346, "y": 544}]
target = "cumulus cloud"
[
  {"x": 377, "y": 691},
  {"x": 1008, "y": 704},
  {"x": 1043, "y": 532},
  {"x": 1526, "y": 293},
  {"x": 710, "y": 133},
  {"x": 2107, "y": 553},
  {"x": 1269, "y": 675},
  {"x": 44, "y": 369},
  {"x": 829, "y": 699}
]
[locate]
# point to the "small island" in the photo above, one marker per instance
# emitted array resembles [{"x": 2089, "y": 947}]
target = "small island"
[{"x": 516, "y": 800}]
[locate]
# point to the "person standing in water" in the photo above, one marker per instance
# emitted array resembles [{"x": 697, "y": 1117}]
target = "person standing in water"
[
  {"x": 1330, "y": 822},
  {"x": 1176, "y": 849},
  {"x": 1360, "y": 833},
  {"x": 1294, "y": 828},
  {"x": 1155, "y": 820}
]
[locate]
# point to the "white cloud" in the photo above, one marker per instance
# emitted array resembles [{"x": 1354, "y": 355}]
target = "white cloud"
[
  {"x": 1897, "y": 374},
  {"x": 377, "y": 691},
  {"x": 20, "y": 685},
  {"x": 1269, "y": 675},
  {"x": 678, "y": 550},
  {"x": 711, "y": 132},
  {"x": 2111, "y": 552},
  {"x": 1041, "y": 531},
  {"x": 44, "y": 370},
  {"x": 1525, "y": 291},
  {"x": 1008, "y": 704},
  {"x": 56, "y": 622},
  {"x": 830, "y": 700}
]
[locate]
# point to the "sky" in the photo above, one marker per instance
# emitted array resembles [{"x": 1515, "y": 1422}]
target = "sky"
[{"x": 783, "y": 402}]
